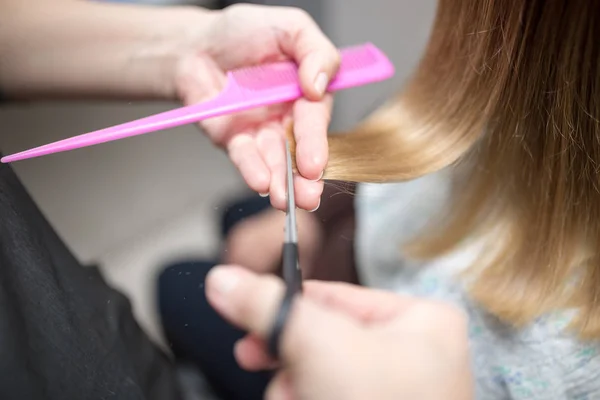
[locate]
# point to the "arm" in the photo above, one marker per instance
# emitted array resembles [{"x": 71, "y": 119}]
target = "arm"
[
  {"x": 78, "y": 48},
  {"x": 86, "y": 48}
]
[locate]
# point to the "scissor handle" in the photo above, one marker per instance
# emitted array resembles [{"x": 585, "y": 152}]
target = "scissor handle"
[
  {"x": 279, "y": 324},
  {"x": 292, "y": 275}
]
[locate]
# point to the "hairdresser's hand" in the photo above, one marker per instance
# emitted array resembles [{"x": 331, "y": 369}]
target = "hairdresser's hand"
[
  {"x": 256, "y": 241},
  {"x": 345, "y": 342},
  {"x": 244, "y": 35}
]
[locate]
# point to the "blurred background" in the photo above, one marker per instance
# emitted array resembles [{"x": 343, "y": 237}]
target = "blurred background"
[{"x": 134, "y": 205}]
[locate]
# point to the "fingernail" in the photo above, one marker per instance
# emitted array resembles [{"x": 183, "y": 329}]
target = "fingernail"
[
  {"x": 321, "y": 83},
  {"x": 320, "y": 177},
  {"x": 224, "y": 279},
  {"x": 317, "y": 207},
  {"x": 263, "y": 194}
]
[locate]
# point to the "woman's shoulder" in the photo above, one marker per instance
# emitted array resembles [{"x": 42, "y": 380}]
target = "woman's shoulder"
[{"x": 543, "y": 360}]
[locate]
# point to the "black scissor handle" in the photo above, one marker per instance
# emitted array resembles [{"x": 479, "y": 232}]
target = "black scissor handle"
[
  {"x": 293, "y": 280},
  {"x": 291, "y": 270},
  {"x": 279, "y": 324}
]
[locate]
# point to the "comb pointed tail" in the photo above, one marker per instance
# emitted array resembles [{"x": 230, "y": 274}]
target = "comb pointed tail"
[{"x": 169, "y": 119}]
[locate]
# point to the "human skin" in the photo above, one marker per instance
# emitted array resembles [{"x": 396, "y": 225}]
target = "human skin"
[
  {"x": 346, "y": 342},
  {"x": 90, "y": 49}
]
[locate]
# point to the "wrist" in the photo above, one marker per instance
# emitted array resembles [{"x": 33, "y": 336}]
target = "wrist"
[{"x": 183, "y": 33}]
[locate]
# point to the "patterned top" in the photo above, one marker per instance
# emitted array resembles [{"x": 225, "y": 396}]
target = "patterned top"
[{"x": 541, "y": 362}]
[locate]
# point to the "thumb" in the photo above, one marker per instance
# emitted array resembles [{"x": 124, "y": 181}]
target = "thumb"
[
  {"x": 251, "y": 301},
  {"x": 245, "y": 299}
]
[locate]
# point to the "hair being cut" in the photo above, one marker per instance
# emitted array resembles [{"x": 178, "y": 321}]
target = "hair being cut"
[{"x": 508, "y": 94}]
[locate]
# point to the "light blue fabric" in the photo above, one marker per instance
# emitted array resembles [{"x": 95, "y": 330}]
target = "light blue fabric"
[{"x": 541, "y": 362}]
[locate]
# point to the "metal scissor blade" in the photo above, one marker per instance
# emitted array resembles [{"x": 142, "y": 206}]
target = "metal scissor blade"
[
  {"x": 291, "y": 230},
  {"x": 292, "y": 275}
]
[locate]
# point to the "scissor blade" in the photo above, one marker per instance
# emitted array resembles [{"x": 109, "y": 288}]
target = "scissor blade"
[{"x": 291, "y": 233}]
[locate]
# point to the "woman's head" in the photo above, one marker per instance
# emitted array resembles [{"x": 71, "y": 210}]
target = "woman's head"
[{"x": 508, "y": 92}]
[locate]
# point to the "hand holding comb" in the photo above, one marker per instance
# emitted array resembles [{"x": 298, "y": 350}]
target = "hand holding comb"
[{"x": 246, "y": 88}]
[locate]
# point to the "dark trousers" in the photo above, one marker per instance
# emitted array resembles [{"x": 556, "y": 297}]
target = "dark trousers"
[{"x": 196, "y": 333}]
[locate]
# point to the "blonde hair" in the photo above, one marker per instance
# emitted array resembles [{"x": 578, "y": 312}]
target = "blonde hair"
[{"x": 508, "y": 93}]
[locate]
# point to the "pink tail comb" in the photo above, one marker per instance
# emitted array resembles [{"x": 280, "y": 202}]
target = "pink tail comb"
[{"x": 246, "y": 88}]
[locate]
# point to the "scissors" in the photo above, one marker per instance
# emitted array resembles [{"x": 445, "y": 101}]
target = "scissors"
[{"x": 292, "y": 275}]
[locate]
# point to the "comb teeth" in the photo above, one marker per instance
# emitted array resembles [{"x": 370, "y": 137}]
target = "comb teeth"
[
  {"x": 266, "y": 76},
  {"x": 354, "y": 60},
  {"x": 358, "y": 57}
]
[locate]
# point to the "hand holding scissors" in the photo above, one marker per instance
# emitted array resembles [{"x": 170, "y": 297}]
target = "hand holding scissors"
[{"x": 346, "y": 342}]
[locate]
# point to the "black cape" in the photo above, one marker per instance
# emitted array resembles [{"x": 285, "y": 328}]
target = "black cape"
[{"x": 64, "y": 333}]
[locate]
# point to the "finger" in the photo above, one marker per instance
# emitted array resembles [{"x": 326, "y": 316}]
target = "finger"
[
  {"x": 245, "y": 299},
  {"x": 246, "y": 157},
  {"x": 301, "y": 39},
  {"x": 271, "y": 146},
  {"x": 365, "y": 304},
  {"x": 250, "y": 302},
  {"x": 308, "y": 193},
  {"x": 280, "y": 388},
  {"x": 311, "y": 122},
  {"x": 252, "y": 355}
]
